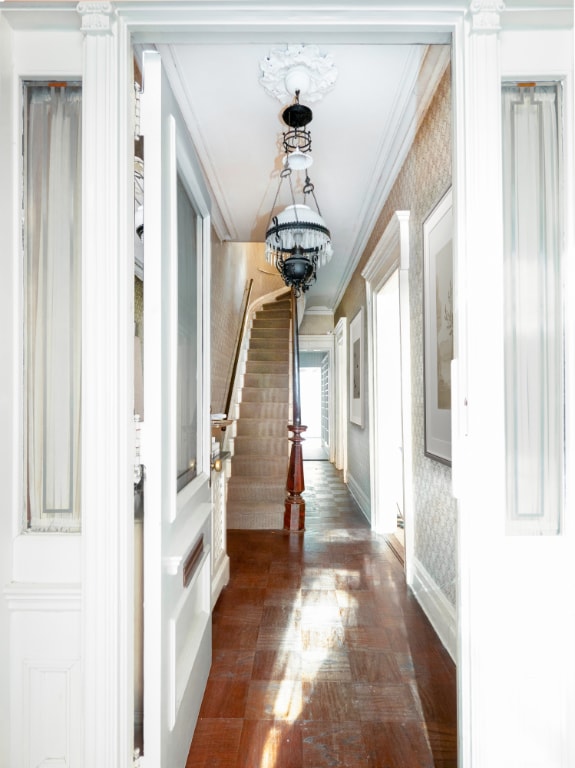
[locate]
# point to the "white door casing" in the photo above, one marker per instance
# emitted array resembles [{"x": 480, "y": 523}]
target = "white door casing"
[
  {"x": 177, "y": 532},
  {"x": 385, "y": 352},
  {"x": 323, "y": 343},
  {"x": 388, "y": 459},
  {"x": 341, "y": 399},
  {"x": 483, "y": 606}
]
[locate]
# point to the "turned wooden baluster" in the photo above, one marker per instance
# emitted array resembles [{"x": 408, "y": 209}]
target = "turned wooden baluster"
[{"x": 294, "y": 514}]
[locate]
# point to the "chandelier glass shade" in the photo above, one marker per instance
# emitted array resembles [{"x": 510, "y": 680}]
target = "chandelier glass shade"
[
  {"x": 297, "y": 243},
  {"x": 297, "y": 239}
]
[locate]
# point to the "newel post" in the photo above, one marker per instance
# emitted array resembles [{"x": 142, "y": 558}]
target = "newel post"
[{"x": 294, "y": 514}]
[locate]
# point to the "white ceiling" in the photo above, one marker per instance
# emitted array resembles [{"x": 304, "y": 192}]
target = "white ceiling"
[{"x": 361, "y": 132}]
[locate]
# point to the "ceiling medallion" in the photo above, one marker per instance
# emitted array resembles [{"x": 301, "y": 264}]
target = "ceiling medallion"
[{"x": 298, "y": 68}]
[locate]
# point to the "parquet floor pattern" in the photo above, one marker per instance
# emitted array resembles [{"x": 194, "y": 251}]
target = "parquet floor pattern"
[{"x": 321, "y": 656}]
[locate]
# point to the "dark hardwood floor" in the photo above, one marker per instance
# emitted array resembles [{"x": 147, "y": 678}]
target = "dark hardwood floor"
[{"x": 321, "y": 656}]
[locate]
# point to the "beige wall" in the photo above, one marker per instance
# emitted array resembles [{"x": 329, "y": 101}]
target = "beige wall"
[
  {"x": 233, "y": 264},
  {"x": 423, "y": 179},
  {"x": 316, "y": 325}
]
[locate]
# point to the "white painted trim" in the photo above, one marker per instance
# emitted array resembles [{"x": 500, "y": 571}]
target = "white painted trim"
[
  {"x": 107, "y": 393},
  {"x": 220, "y": 578},
  {"x": 359, "y": 495},
  {"x": 43, "y": 597},
  {"x": 440, "y": 612},
  {"x": 319, "y": 311},
  {"x": 324, "y": 343},
  {"x": 341, "y": 399},
  {"x": 391, "y": 253},
  {"x": 478, "y": 256}
]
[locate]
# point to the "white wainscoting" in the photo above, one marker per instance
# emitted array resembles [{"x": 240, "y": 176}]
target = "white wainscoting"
[
  {"x": 46, "y": 675},
  {"x": 436, "y": 606}
]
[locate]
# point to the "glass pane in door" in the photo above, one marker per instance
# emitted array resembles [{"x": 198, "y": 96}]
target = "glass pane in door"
[{"x": 187, "y": 367}]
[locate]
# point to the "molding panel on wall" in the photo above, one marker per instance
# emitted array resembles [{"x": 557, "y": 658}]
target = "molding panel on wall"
[{"x": 45, "y": 650}]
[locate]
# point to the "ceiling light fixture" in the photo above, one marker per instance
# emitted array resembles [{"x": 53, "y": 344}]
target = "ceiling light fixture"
[{"x": 297, "y": 239}]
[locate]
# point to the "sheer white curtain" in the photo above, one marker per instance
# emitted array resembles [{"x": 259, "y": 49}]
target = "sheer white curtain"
[
  {"x": 533, "y": 310},
  {"x": 52, "y": 305}
]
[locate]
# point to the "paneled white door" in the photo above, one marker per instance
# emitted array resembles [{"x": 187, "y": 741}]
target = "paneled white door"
[{"x": 176, "y": 428}]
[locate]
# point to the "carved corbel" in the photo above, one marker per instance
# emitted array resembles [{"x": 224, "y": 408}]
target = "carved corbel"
[
  {"x": 486, "y": 14},
  {"x": 96, "y": 16}
]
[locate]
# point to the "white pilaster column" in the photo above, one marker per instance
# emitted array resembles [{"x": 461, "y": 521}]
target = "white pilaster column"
[
  {"x": 478, "y": 405},
  {"x": 107, "y": 390}
]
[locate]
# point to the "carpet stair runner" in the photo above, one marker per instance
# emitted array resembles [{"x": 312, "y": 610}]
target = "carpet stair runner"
[{"x": 256, "y": 488}]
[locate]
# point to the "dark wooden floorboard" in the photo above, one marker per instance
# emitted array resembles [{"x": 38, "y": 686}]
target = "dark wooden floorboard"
[{"x": 321, "y": 655}]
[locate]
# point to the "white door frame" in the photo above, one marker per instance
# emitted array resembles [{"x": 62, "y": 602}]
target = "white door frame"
[
  {"x": 341, "y": 398},
  {"x": 390, "y": 254},
  {"x": 323, "y": 343},
  {"x": 478, "y": 435}
]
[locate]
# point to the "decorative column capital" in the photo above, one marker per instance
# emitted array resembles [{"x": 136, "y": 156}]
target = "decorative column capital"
[
  {"x": 96, "y": 16},
  {"x": 485, "y": 15}
]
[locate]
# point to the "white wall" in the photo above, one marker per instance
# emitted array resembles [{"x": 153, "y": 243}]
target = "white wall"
[
  {"x": 516, "y": 615},
  {"x": 7, "y": 383}
]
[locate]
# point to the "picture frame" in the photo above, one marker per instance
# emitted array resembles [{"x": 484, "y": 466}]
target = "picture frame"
[
  {"x": 438, "y": 327},
  {"x": 356, "y": 369}
]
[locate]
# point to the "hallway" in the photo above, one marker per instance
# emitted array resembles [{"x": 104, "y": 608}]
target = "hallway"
[{"x": 321, "y": 657}]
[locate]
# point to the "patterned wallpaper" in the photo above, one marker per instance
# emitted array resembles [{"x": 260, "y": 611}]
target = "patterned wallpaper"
[{"x": 422, "y": 181}]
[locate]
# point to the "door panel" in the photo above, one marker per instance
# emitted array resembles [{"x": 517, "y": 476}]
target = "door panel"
[{"x": 175, "y": 437}]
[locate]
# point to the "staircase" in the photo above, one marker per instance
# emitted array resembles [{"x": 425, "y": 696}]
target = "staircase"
[{"x": 256, "y": 488}]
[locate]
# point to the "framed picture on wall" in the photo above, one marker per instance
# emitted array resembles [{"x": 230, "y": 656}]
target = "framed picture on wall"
[
  {"x": 356, "y": 369},
  {"x": 438, "y": 327}
]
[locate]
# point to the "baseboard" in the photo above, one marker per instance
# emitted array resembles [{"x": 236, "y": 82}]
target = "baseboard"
[
  {"x": 220, "y": 579},
  {"x": 436, "y": 607},
  {"x": 359, "y": 495}
]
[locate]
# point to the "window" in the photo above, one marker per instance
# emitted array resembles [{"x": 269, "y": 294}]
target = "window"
[{"x": 52, "y": 309}]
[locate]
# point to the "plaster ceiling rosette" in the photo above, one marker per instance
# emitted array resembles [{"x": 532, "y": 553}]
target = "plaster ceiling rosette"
[{"x": 298, "y": 68}]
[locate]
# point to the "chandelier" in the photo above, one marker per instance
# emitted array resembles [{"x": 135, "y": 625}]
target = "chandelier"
[{"x": 297, "y": 239}]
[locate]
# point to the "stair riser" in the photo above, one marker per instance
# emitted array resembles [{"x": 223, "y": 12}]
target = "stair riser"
[
  {"x": 259, "y": 467},
  {"x": 269, "y": 342},
  {"x": 271, "y": 519},
  {"x": 266, "y": 380},
  {"x": 275, "y": 313},
  {"x": 263, "y": 395},
  {"x": 254, "y": 445},
  {"x": 272, "y": 354},
  {"x": 271, "y": 322},
  {"x": 254, "y": 493},
  {"x": 273, "y": 305},
  {"x": 267, "y": 366},
  {"x": 256, "y": 428},
  {"x": 264, "y": 411}
]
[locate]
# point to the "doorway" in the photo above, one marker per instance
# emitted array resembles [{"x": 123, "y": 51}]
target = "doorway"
[
  {"x": 388, "y": 324},
  {"x": 314, "y": 389},
  {"x": 316, "y": 352},
  {"x": 388, "y": 361}
]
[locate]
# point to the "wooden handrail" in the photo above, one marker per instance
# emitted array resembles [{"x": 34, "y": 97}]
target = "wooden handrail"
[{"x": 242, "y": 329}]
